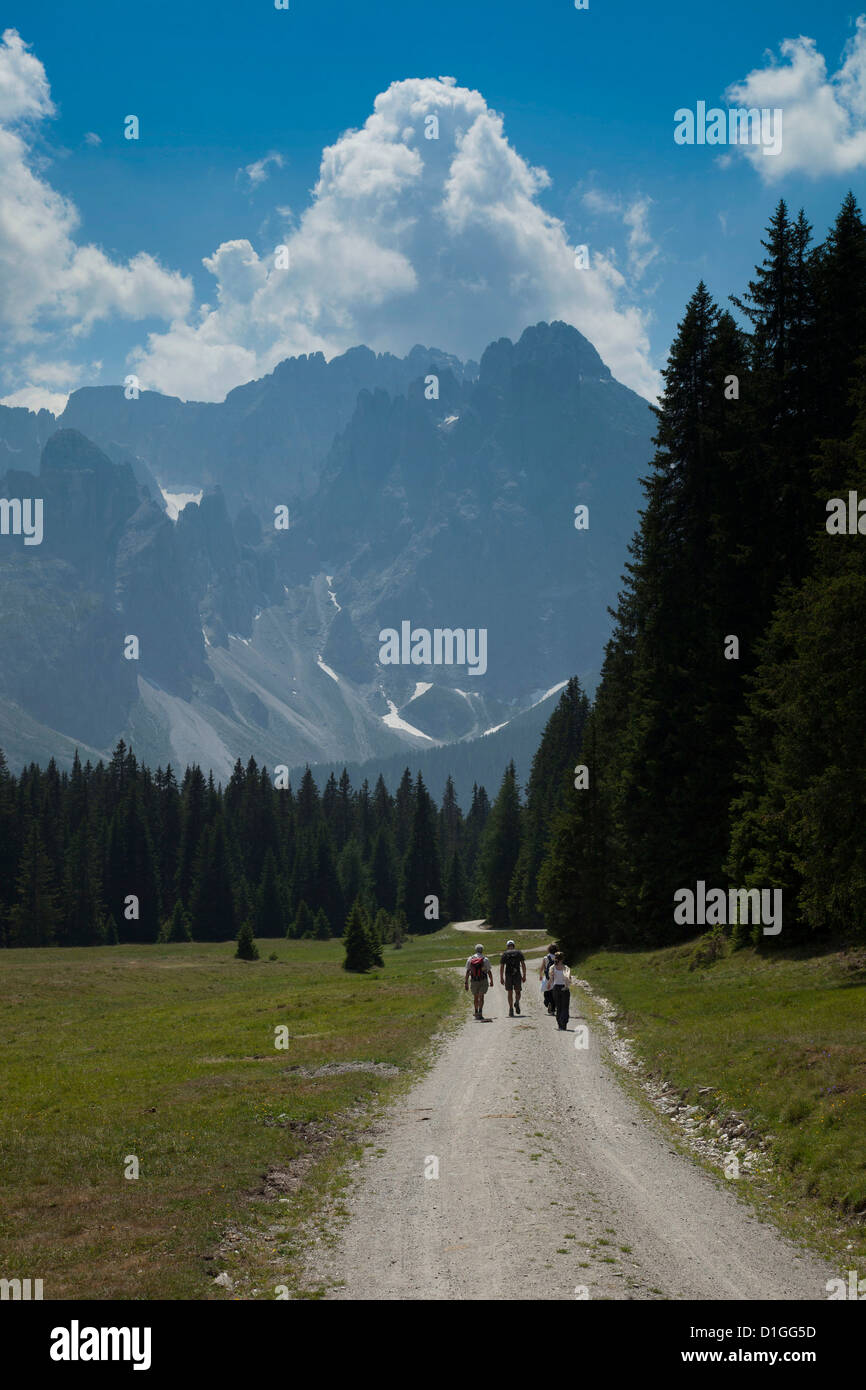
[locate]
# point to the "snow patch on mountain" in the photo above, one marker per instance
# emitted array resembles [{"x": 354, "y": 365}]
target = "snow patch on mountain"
[
  {"x": 327, "y": 670},
  {"x": 393, "y": 720},
  {"x": 176, "y": 501}
]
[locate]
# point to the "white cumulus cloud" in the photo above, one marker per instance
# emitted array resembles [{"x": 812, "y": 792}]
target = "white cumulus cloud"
[
  {"x": 405, "y": 240},
  {"x": 823, "y": 115},
  {"x": 48, "y": 281}
]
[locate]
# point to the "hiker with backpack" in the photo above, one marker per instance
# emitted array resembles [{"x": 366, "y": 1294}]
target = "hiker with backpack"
[
  {"x": 512, "y": 975},
  {"x": 545, "y": 978},
  {"x": 478, "y": 973},
  {"x": 561, "y": 990}
]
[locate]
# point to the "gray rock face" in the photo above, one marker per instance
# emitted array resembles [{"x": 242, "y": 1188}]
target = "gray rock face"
[
  {"x": 266, "y": 442},
  {"x": 452, "y": 511}
]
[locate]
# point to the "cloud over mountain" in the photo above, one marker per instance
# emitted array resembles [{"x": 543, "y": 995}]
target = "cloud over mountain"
[{"x": 406, "y": 239}]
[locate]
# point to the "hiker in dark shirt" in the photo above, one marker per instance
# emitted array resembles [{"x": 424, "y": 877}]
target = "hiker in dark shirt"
[{"x": 512, "y": 974}]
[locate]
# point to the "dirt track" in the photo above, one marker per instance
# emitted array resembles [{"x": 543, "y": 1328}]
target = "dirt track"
[{"x": 551, "y": 1180}]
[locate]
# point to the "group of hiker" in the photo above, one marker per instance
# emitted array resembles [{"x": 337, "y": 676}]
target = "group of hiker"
[{"x": 554, "y": 976}]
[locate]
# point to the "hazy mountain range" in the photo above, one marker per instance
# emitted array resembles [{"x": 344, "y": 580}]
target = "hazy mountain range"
[{"x": 420, "y": 490}]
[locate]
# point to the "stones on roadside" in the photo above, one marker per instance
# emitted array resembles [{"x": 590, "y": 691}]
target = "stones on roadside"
[{"x": 712, "y": 1137}]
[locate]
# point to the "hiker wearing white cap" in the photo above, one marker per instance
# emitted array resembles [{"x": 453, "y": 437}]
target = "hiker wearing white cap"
[
  {"x": 512, "y": 974},
  {"x": 478, "y": 973}
]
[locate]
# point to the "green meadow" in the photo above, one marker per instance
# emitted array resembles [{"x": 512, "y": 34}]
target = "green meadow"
[{"x": 168, "y": 1055}]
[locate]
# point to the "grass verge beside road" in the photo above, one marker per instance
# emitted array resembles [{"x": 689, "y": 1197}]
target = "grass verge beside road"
[{"x": 781, "y": 1036}]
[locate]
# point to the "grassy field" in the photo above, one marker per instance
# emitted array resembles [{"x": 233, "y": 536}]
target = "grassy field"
[
  {"x": 168, "y": 1054},
  {"x": 782, "y": 1036}
]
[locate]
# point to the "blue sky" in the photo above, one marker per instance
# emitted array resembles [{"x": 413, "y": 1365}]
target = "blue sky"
[{"x": 589, "y": 96}]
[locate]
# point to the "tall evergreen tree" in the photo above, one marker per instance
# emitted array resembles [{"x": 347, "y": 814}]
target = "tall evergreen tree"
[
  {"x": 450, "y": 821},
  {"x": 476, "y": 819},
  {"x": 498, "y": 852},
  {"x": 553, "y": 771},
  {"x": 457, "y": 896},
  {"x": 421, "y": 875},
  {"x": 360, "y": 951},
  {"x": 403, "y": 809},
  {"x": 83, "y": 909},
  {"x": 213, "y": 910},
  {"x": 270, "y": 916},
  {"x": 132, "y": 881},
  {"x": 327, "y": 893},
  {"x": 193, "y": 822},
  {"x": 383, "y": 870},
  {"x": 34, "y": 917}
]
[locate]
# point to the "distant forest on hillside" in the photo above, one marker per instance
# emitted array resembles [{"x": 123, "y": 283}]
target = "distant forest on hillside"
[{"x": 118, "y": 853}]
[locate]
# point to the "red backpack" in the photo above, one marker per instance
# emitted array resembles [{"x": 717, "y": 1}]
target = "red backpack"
[{"x": 476, "y": 968}]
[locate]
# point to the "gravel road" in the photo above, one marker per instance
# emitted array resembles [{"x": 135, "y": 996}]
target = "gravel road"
[{"x": 552, "y": 1183}]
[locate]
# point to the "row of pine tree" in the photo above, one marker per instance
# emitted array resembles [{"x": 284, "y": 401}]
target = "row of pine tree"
[
  {"x": 745, "y": 772},
  {"x": 118, "y": 853}
]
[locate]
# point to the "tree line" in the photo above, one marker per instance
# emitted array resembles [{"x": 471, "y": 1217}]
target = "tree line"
[
  {"x": 117, "y": 853},
  {"x": 737, "y": 762}
]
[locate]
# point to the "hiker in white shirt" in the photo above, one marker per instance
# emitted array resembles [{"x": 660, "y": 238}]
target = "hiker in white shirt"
[
  {"x": 560, "y": 976},
  {"x": 544, "y": 975}
]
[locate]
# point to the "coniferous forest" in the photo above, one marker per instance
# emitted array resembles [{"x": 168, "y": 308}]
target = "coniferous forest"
[
  {"x": 724, "y": 744},
  {"x": 116, "y": 853},
  {"x": 738, "y": 762}
]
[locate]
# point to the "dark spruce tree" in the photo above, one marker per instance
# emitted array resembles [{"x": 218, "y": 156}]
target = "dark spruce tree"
[
  {"x": 176, "y": 927},
  {"x": 421, "y": 875},
  {"x": 34, "y": 918},
  {"x": 457, "y": 897},
  {"x": 383, "y": 870},
  {"x": 574, "y": 879},
  {"x": 360, "y": 952},
  {"x": 269, "y": 917},
  {"x": 246, "y": 945},
  {"x": 476, "y": 819},
  {"x": 498, "y": 853},
  {"x": 551, "y": 776},
  {"x": 132, "y": 887},
  {"x": 213, "y": 910}
]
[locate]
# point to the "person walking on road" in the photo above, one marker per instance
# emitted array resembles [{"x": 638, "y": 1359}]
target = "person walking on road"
[
  {"x": 561, "y": 990},
  {"x": 544, "y": 976},
  {"x": 512, "y": 975},
  {"x": 478, "y": 973}
]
